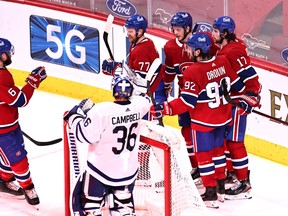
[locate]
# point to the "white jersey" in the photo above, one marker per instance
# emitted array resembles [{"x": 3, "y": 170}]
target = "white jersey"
[{"x": 112, "y": 130}]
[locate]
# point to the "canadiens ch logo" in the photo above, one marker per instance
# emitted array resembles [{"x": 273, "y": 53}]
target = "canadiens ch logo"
[
  {"x": 183, "y": 66},
  {"x": 122, "y": 8}
]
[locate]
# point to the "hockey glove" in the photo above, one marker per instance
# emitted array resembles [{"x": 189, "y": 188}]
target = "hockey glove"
[
  {"x": 85, "y": 105},
  {"x": 160, "y": 110},
  {"x": 140, "y": 85},
  {"x": 81, "y": 109},
  {"x": 36, "y": 77},
  {"x": 75, "y": 110},
  {"x": 248, "y": 102},
  {"x": 109, "y": 66}
]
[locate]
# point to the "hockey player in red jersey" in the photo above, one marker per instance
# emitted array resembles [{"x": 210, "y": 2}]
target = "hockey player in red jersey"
[
  {"x": 236, "y": 52},
  {"x": 14, "y": 162},
  {"x": 142, "y": 53},
  {"x": 202, "y": 96},
  {"x": 177, "y": 59},
  {"x": 175, "y": 54},
  {"x": 111, "y": 130}
]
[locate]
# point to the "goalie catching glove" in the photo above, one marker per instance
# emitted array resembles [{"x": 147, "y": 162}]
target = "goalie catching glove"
[
  {"x": 109, "y": 66},
  {"x": 36, "y": 77},
  {"x": 247, "y": 102},
  {"x": 160, "y": 110},
  {"x": 81, "y": 109}
]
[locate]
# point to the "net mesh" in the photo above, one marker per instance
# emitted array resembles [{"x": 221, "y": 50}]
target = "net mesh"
[{"x": 150, "y": 184}]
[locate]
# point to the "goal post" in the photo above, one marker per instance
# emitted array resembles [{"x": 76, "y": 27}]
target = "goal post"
[
  {"x": 164, "y": 186},
  {"x": 167, "y": 171}
]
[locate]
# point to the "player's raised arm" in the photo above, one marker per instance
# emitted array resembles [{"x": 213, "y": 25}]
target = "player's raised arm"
[{"x": 16, "y": 165}]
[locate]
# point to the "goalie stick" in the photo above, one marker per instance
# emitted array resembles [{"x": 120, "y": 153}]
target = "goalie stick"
[
  {"x": 231, "y": 101},
  {"x": 70, "y": 154},
  {"x": 109, "y": 23},
  {"x": 42, "y": 143}
]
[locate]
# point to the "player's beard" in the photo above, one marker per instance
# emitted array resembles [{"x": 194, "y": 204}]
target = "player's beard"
[
  {"x": 219, "y": 41},
  {"x": 194, "y": 57},
  {"x": 133, "y": 40},
  {"x": 7, "y": 62}
]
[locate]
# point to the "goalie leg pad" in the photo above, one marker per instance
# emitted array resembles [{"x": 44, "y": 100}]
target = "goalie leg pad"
[
  {"x": 122, "y": 203},
  {"x": 88, "y": 196},
  {"x": 92, "y": 205},
  {"x": 75, "y": 201}
]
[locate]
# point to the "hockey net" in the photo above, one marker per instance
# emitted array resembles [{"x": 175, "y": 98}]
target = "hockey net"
[{"x": 164, "y": 186}]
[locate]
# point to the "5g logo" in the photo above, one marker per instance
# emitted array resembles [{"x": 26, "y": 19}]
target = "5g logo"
[
  {"x": 58, "y": 42},
  {"x": 64, "y": 43}
]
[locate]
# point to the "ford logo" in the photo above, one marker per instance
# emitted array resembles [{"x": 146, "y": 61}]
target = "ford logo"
[
  {"x": 284, "y": 55},
  {"x": 122, "y": 8}
]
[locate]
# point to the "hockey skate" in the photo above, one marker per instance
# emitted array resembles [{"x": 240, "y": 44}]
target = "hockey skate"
[
  {"x": 221, "y": 190},
  {"x": 31, "y": 196},
  {"x": 210, "y": 197},
  {"x": 241, "y": 190},
  {"x": 230, "y": 179},
  {"x": 10, "y": 189}
]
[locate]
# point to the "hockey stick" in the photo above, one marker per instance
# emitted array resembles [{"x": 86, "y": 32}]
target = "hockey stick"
[
  {"x": 231, "y": 101},
  {"x": 154, "y": 66},
  {"x": 71, "y": 140},
  {"x": 40, "y": 143},
  {"x": 70, "y": 154},
  {"x": 109, "y": 23}
]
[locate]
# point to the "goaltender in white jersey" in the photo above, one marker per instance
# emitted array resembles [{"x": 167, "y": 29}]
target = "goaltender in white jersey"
[{"x": 111, "y": 129}]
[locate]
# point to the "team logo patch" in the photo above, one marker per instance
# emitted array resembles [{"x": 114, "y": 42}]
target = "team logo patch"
[
  {"x": 183, "y": 66},
  {"x": 284, "y": 55},
  {"x": 122, "y": 8}
]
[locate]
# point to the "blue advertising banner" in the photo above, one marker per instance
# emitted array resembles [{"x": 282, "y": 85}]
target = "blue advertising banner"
[{"x": 64, "y": 43}]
